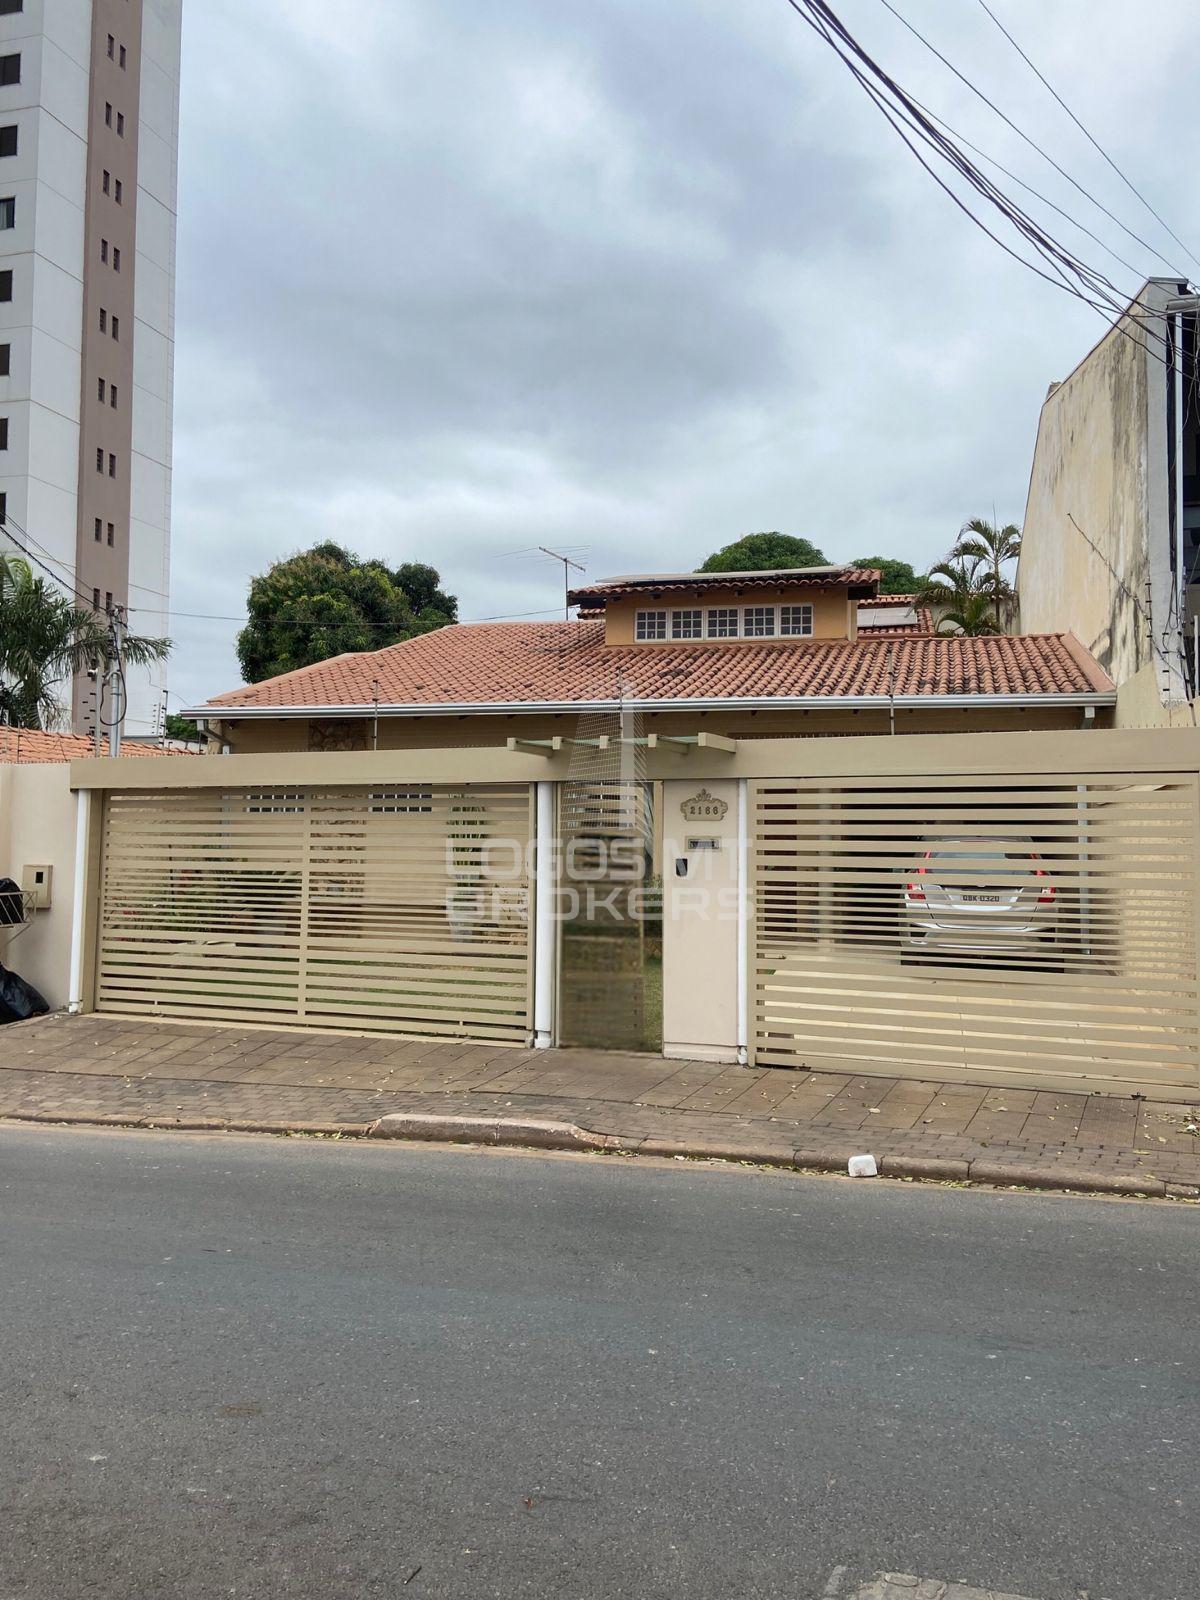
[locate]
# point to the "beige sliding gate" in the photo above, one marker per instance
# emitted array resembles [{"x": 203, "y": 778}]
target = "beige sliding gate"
[
  {"x": 1036, "y": 930},
  {"x": 401, "y": 910}
]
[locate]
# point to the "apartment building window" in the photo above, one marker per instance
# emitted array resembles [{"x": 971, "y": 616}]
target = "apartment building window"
[
  {"x": 760, "y": 622},
  {"x": 116, "y": 327},
  {"x": 3, "y": 509},
  {"x": 99, "y": 459},
  {"x": 10, "y": 70},
  {"x": 112, "y": 47},
  {"x": 5, "y": 360},
  {"x": 100, "y": 388},
  {"x": 8, "y": 140},
  {"x": 106, "y": 181},
  {"x": 6, "y": 284},
  {"x": 795, "y": 621},
  {"x": 112, "y": 465},
  {"x": 687, "y": 624},
  {"x": 112, "y": 395},
  {"x": 3, "y": 433},
  {"x": 108, "y": 113},
  {"x": 103, "y": 320},
  {"x": 10, "y": 8},
  {"x": 108, "y": 601},
  {"x": 98, "y": 529},
  {"x": 104, "y": 251},
  {"x": 120, "y": 124},
  {"x": 116, "y": 258},
  {"x": 118, "y": 191},
  {"x": 95, "y": 599},
  {"x": 110, "y": 536},
  {"x": 8, "y": 212}
]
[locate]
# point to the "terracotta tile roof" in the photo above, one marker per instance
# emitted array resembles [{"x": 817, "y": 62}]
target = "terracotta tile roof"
[
  {"x": 592, "y": 596},
  {"x": 30, "y": 746},
  {"x": 568, "y": 663}
]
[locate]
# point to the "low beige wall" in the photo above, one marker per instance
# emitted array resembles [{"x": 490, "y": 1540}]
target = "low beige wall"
[{"x": 37, "y": 827}]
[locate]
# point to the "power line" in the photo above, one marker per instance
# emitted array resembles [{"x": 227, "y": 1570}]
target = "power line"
[
  {"x": 1032, "y": 143},
  {"x": 1041, "y": 77},
  {"x": 1061, "y": 267}
]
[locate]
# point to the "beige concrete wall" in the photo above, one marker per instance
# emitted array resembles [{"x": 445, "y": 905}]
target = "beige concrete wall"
[
  {"x": 37, "y": 827},
  {"x": 1097, "y": 476},
  {"x": 264, "y": 735},
  {"x": 835, "y": 616},
  {"x": 700, "y": 926}
]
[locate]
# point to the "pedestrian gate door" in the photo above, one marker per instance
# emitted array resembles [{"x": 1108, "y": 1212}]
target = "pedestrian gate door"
[
  {"x": 1035, "y": 930},
  {"x": 401, "y": 910}
]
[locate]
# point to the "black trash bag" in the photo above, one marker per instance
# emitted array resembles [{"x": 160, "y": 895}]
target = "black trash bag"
[
  {"x": 19, "y": 1000},
  {"x": 12, "y": 904}
]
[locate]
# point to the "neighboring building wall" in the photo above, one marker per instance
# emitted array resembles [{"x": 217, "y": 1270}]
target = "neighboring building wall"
[
  {"x": 1099, "y": 474},
  {"x": 154, "y": 351},
  {"x": 254, "y": 736},
  {"x": 37, "y": 828},
  {"x": 79, "y": 114},
  {"x": 43, "y": 321}
]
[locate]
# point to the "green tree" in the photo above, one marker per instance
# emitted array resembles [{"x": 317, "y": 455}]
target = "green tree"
[
  {"x": 898, "y": 577},
  {"x": 45, "y": 639},
  {"x": 178, "y": 727},
  {"x": 960, "y": 589},
  {"x": 764, "y": 552},
  {"x": 994, "y": 549},
  {"x": 326, "y": 602}
]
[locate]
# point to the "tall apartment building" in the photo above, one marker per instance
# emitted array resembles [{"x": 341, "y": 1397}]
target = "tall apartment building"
[{"x": 89, "y": 130}]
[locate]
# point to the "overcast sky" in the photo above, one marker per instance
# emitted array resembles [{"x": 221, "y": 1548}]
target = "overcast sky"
[{"x": 639, "y": 276}]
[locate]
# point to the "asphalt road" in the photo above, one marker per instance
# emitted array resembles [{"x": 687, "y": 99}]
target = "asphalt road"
[{"x": 248, "y": 1367}]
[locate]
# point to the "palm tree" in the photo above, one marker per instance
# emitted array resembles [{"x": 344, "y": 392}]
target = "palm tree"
[
  {"x": 994, "y": 548},
  {"x": 961, "y": 589},
  {"x": 45, "y": 639}
]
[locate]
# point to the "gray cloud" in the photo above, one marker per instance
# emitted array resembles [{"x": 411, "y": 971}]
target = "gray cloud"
[{"x": 456, "y": 280}]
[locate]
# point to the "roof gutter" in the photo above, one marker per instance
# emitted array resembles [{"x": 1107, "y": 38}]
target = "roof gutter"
[{"x": 506, "y": 708}]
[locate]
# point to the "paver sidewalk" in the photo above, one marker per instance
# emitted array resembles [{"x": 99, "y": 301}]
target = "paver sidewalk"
[{"x": 101, "y": 1068}]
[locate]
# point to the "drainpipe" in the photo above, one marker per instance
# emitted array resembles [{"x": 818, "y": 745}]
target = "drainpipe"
[
  {"x": 545, "y": 926},
  {"x": 83, "y": 813},
  {"x": 743, "y": 925}
]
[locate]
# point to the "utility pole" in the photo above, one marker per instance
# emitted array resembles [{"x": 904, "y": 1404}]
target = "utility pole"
[
  {"x": 116, "y": 679},
  {"x": 567, "y": 565}
]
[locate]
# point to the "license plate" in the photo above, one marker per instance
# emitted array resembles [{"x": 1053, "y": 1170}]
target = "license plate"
[{"x": 982, "y": 899}]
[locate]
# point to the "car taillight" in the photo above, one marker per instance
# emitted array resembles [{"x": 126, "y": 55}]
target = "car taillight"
[
  {"x": 1047, "y": 895},
  {"x": 914, "y": 891}
]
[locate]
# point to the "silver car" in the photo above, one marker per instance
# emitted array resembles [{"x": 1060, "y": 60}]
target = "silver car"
[{"x": 979, "y": 897}]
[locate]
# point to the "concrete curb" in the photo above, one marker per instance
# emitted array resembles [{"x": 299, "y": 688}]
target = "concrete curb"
[{"x": 546, "y": 1133}]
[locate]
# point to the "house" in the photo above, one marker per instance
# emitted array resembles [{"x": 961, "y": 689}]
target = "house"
[
  {"x": 748, "y": 655},
  {"x": 1111, "y": 538}
]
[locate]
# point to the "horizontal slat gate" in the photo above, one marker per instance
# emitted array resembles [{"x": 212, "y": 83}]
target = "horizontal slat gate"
[
  {"x": 386, "y": 910},
  {"x": 1101, "y": 995}
]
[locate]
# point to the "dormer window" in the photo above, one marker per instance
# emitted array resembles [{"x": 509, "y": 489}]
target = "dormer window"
[
  {"x": 687, "y": 624},
  {"x": 759, "y": 622},
  {"x": 651, "y": 625},
  {"x": 723, "y": 622},
  {"x": 795, "y": 621}
]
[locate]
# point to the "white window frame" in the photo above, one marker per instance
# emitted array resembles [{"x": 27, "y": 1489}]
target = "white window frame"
[
  {"x": 723, "y": 622},
  {"x": 650, "y": 626},
  {"x": 805, "y": 612},
  {"x": 689, "y": 617},
  {"x": 766, "y": 614}
]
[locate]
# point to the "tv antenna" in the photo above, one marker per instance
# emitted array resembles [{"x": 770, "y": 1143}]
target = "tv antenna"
[{"x": 567, "y": 565}]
